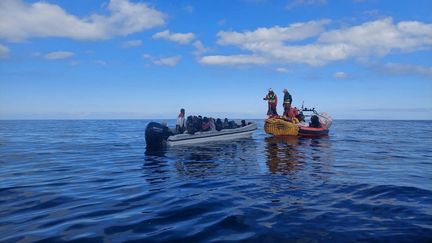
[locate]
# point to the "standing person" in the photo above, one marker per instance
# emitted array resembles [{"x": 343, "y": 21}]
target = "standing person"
[
  {"x": 272, "y": 103},
  {"x": 181, "y": 122},
  {"x": 287, "y": 101}
]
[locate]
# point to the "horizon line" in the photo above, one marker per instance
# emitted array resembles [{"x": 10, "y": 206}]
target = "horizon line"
[{"x": 101, "y": 119}]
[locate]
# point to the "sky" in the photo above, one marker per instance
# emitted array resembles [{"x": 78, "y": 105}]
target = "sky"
[{"x": 130, "y": 59}]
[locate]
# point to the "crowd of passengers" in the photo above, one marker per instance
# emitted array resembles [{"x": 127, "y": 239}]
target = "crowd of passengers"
[{"x": 193, "y": 124}]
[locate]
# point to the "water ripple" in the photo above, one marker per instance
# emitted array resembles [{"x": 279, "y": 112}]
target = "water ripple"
[{"x": 92, "y": 181}]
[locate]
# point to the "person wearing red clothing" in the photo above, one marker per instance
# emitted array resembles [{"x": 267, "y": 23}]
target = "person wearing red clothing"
[
  {"x": 271, "y": 98},
  {"x": 290, "y": 114}
]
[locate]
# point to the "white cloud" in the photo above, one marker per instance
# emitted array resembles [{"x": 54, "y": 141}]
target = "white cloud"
[
  {"x": 4, "y": 51},
  {"x": 340, "y": 75},
  {"x": 232, "y": 60},
  {"x": 380, "y": 37},
  {"x": 298, "y": 3},
  {"x": 20, "y": 21},
  {"x": 167, "y": 61},
  {"x": 58, "y": 55},
  {"x": 314, "y": 55},
  {"x": 282, "y": 70},
  {"x": 371, "y": 39},
  {"x": 164, "y": 61},
  {"x": 132, "y": 43},
  {"x": 199, "y": 48},
  {"x": 266, "y": 36},
  {"x": 180, "y": 38},
  {"x": 406, "y": 69}
]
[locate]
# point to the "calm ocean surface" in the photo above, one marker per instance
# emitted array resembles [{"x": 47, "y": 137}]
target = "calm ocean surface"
[{"x": 92, "y": 181}]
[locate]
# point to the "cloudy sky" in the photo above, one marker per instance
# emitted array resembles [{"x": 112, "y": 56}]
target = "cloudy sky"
[{"x": 355, "y": 59}]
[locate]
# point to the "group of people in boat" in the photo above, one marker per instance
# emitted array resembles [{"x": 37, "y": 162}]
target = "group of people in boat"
[
  {"x": 290, "y": 113},
  {"x": 193, "y": 124}
]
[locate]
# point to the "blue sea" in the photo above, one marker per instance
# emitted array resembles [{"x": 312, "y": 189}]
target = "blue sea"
[{"x": 92, "y": 181}]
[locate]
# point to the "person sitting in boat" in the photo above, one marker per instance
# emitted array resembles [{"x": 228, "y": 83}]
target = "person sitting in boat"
[
  {"x": 290, "y": 114},
  {"x": 271, "y": 98},
  {"x": 315, "y": 122},
  {"x": 212, "y": 124},
  {"x": 225, "y": 124},
  {"x": 232, "y": 125},
  {"x": 300, "y": 117},
  {"x": 219, "y": 124},
  {"x": 205, "y": 125},
  {"x": 181, "y": 122},
  {"x": 287, "y": 101},
  {"x": 190, "y": 125},
  {"x": 198, "y": 123}
]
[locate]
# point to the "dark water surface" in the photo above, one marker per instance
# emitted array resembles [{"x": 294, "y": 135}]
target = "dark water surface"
[{"x": 91, "y": 181}]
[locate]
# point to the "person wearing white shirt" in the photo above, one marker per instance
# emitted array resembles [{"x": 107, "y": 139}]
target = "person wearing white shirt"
[{"x": 181, "y": 122}]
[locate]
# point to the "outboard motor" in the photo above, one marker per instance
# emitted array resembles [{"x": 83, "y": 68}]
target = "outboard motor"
[{"x": 156, "y": 135}]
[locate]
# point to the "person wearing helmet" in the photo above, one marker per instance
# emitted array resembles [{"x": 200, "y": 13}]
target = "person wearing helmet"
[{"x": 272, "y": 103}]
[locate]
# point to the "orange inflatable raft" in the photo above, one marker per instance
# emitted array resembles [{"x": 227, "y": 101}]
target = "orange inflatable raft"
[{"x": 319, "y": 125}]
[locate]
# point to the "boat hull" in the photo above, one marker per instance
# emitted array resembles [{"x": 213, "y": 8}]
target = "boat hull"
[
  {"x": 205, "y": 137},
  {"x": 279, "y": 127},
  {"x": 312, "y": 132}
]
